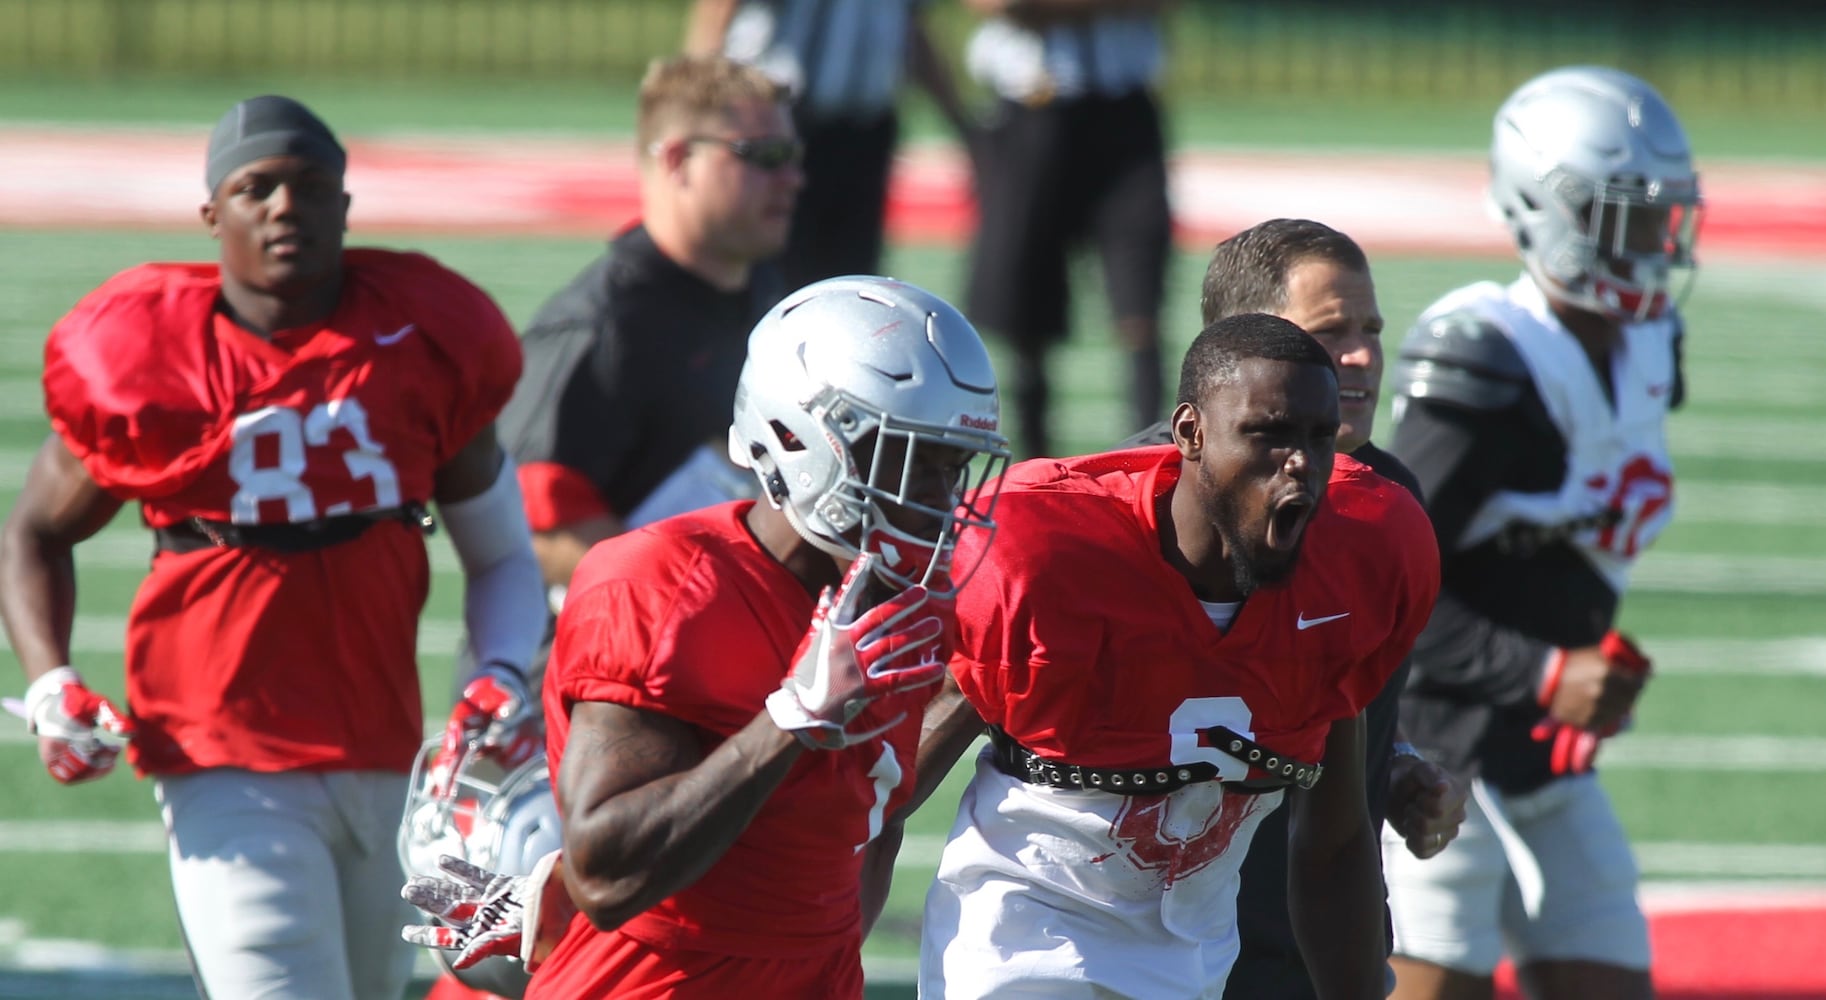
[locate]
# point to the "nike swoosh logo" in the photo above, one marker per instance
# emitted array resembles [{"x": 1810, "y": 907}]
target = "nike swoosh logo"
[
  {"x": 1303, "y": 623},
  {"x": 389, "y": 339}
]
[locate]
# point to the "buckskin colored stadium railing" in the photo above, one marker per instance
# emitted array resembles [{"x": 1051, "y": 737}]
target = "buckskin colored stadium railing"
[{"x": 1766, "y": 53}]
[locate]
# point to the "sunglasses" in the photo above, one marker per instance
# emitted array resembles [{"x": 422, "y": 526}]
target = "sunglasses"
[{"x": 771, "y": 153}]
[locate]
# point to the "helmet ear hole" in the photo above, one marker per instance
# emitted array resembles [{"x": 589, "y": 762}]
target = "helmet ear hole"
[{"x": 788, "y": 440}]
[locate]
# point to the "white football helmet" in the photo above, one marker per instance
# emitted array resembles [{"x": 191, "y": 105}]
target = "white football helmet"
[
  {"x": 844, "y": 372},
  {"x": 502, "y": 821},
  {"x": 1592, "y": 173}
]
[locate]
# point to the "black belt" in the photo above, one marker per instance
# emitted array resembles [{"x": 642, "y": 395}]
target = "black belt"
[
  {"x": 1268, "y": 770},
  {"x": 297, "y": 536}
]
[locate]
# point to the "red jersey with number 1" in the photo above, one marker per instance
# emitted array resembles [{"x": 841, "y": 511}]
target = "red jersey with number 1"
[
  {"x": 248, "y": 657},
  {"x": 690, "y": 618}
]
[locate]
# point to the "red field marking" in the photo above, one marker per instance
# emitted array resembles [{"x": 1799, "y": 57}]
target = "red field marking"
[
  {"x": 1391, "y": 202},
  {"x": 1761, "y": 946}
]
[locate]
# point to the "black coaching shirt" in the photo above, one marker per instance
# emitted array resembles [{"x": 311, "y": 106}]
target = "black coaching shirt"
[{"x": 629, "y": 368}]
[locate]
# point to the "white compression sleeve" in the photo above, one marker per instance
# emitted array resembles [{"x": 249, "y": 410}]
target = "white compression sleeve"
[{"x": 503, "y": 594}]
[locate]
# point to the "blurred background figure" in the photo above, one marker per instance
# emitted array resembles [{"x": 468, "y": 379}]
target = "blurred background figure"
[
  {"x": 631, "y": 368},
  {"x": 1073, "y": 151},
  {"x": 844, "y": 62},
  {"x": 1534, "y": 415}
]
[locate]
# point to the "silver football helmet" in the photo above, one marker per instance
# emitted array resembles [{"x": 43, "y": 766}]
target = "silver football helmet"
[
  {"x": 1592, "y": 173},
  {"x": 845, "y": 380},
  {"x": 504, "y": 821}
]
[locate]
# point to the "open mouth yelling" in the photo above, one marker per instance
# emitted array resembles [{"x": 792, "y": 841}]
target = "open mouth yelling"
[{"x": 1287, "y": 521}]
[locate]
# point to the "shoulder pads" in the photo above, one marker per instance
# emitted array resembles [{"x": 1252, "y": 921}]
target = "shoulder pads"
[{"x": 1461, "y": 358}]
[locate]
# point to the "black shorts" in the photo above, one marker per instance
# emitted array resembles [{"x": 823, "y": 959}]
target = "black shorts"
[
  {"x": 1052, "y": 176},
  {"x": 837, "y": 223}
]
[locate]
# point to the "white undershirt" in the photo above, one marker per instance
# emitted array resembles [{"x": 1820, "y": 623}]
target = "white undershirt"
[{"x": 1221, "y": 613}]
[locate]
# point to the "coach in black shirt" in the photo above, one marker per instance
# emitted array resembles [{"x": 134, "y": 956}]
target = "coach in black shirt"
[{"x": 623, "y": 411}]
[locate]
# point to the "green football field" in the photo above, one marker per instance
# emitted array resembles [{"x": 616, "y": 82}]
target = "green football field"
[{"x": 1721, "y": 780}]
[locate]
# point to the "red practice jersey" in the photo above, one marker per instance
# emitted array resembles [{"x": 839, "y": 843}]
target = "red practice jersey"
[
  {"x": 689, "y": 617},
  {"x": 1086, "y": 646},
  {"x": 248, "y": 657}
]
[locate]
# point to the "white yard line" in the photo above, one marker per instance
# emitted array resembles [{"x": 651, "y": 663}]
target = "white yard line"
[
  {"x": 1688, "y": 573},
  {"x": 1685, "y": 859},
  {"x": 1803, "y": 656},
  {"x": 1762, "y": 754}
]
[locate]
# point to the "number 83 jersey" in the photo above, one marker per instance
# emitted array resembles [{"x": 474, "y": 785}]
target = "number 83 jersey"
[{"x": 248, "y": 656}]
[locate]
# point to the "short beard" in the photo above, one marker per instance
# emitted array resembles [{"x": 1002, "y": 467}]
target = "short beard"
[{"x": 1246, "y": 573}]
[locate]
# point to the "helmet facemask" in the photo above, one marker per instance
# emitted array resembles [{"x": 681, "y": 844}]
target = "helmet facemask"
[
  {"x": 1592, "y": 173},
  {"x": 883, "y": 500},
  {"x": 867, "y": 407},
  {"x": 1629, "y": 245}
]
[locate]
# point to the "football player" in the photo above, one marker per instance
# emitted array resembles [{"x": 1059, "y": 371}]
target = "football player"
[
  {"x": 1534, "y": 415},
  {"x": 725, "y": 771},
  {"x": 1164, "y": 643},
  {"x": 1319, "y": 278},
  {"x": 282, "y": 418}
]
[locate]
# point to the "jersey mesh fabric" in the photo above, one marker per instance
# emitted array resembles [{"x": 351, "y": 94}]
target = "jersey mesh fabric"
[
  {"x": 690, "y": 618},
  {"x": 1087, "y": 646},
  {"x": 246, "y": 657}
]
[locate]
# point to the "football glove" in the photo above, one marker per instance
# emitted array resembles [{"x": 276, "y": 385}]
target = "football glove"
[
  {"x": 1575, "y": 749},
  {"x": 851, "y": 658},
  {"x": 497, "y": 716},
  {"x": 72, "y": 724},
  {"x": 480, "y": 914}
]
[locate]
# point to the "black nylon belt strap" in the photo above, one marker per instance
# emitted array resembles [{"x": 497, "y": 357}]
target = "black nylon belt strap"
[
  {"x": 1015, "y": 760},
  {"x": 301, "y": 536}
]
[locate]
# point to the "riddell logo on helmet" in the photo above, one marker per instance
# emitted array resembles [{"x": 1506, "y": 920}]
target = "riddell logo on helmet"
[{"x": 977, "y": 423}]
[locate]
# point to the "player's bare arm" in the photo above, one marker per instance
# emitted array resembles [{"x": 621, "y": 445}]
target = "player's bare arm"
[
  {"x": 878, "y": 872},
  {"x": 59, "y": 506},
  {"x": 646, "y": 812},
  {"x": 950, "y": 727},
  {"x": 1334, "y": 875},
  {"x": 471, "y": 470}
]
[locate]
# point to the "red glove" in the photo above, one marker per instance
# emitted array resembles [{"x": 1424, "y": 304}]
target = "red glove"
[
  {"x": 71, "y": 721},
  {"x": 1623, "y": 654},
  {"x": 849, "y": 660},
  {"x": 1575, "y": 749},
  {"x": 497, "y": 716}
]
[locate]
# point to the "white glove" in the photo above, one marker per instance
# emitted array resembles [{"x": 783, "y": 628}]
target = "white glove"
[
  {"x": 487, "y": 915},
  {"x": 70, "y": 721},
  {"x": 886, "y": 656}
]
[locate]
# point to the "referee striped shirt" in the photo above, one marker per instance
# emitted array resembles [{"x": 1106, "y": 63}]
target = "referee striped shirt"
[
  {"x": 1108, "y": 56},
  {"x": 840, "y": 58}
]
